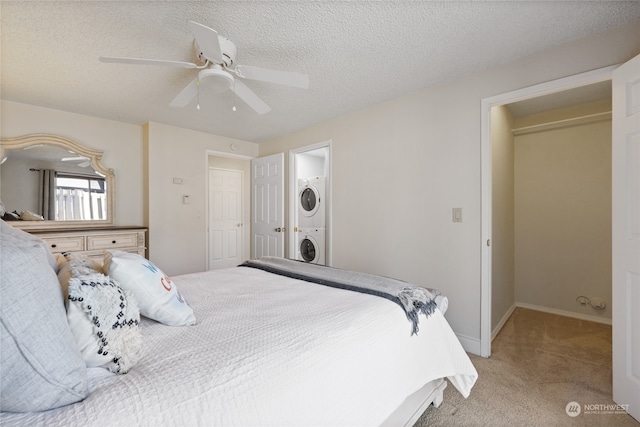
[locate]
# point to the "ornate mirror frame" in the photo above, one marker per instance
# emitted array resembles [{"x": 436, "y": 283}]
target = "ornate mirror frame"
[{"x": 7, "y": 144}]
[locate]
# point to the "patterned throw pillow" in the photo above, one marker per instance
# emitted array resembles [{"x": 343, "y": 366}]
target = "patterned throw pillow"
[
  {"x": 105, "y": 321},
  {"x": 74, "y": 265},
  {"x": 155, "y": 293}
]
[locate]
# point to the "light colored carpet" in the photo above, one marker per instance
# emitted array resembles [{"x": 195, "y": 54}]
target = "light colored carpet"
[{"x": 540, "y": 362}]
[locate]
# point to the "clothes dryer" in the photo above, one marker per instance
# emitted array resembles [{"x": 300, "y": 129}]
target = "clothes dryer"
[
  {"x": 311, "y": 245},
  {"x": 311, "y": 202}
]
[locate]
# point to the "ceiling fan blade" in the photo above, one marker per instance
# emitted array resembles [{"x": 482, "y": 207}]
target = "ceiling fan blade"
[
  {"x": 248, "y": 96},
  {"x": 74, "y": 159},
  {"x": 207, "y": 39},
  {"x": 186, "y": 95},
  {"x": 140, "y": 61},
  {"x": 287, "y": 78}
]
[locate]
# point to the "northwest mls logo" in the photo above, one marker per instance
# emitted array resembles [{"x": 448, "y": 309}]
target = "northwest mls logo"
[{"x": 573, "y": 409}]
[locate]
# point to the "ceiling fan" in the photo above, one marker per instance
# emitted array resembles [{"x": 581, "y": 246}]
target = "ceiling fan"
[
  {"x": 219, "y": 71},
  {"x": 84, "y": 161}
]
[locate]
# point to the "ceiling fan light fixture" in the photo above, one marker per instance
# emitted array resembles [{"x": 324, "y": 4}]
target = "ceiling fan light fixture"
[{"x": 215, "y": 79}]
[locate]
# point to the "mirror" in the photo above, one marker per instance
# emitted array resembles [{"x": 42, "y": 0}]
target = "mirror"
[{"x": 48, "y": 181}]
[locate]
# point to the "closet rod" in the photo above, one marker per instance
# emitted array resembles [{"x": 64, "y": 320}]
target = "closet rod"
[{"x": 580, "y": 120}]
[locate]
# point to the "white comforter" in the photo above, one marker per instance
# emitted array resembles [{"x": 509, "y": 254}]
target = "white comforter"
[{"x": 269, "y": 350}]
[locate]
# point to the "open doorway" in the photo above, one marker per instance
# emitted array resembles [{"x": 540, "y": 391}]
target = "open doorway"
[
  {"x": 310, "y": 203},
  {"x": 625, "y": 209},
  {"x": 551, "y": 213},
  {"x": 488, "y": 320}
]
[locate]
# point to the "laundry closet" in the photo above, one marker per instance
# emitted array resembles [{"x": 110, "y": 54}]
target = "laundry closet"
[{"x": 311, "y": 206}]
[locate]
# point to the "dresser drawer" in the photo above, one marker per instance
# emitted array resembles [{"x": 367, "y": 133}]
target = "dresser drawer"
[
  {"x": 112, "y": 241},
  {"x": 65, "y": 244}
]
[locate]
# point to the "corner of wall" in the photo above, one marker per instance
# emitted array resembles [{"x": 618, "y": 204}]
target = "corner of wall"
[{"x": 145, "y": 179}]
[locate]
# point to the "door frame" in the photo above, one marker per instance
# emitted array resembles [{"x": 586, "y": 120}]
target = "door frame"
[
  {"x": 209, "y": 153},
  {"x": 293, "y": 197},
  {"x": 559, "y": 85}
]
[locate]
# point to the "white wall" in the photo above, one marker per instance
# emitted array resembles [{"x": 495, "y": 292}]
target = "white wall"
[
  {"x": 144, "y": 159},
  {"x": 400, "y": 166},
  {"x": 563, "y": 211},
  {"x": 310, "y": 165},
  {"x": 177, "y": 231},
  {"x": 121, "y": 143},
  {"x": 502, "y": 211},
  {"x": 19, "y": 191}
]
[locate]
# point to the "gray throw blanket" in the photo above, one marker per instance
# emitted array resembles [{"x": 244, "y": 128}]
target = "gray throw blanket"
[{"x": 413, "y": 299}]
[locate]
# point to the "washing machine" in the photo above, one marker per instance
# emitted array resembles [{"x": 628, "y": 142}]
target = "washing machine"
[
  {"x": 311, "y": 245},
  {"x": 311, "y": 202}
]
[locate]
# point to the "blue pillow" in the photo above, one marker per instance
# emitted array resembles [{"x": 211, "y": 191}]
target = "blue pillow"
[{"x": 40, "y": 365}]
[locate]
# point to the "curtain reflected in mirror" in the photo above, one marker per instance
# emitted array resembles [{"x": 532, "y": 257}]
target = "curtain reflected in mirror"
[{"x": 47, "y": 194}]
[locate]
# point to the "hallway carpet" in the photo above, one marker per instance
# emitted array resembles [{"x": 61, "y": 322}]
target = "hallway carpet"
[{"x": 540, "y": 363}]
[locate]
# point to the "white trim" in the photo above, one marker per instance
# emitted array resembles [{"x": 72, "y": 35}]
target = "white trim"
[
  {"x": 470, "y": 345},
  {"x": 227, "y": 154},
  {"x": 502, "y": 321},
  {"x": 565, "y": 313},
  {"x": 583, "y": 79}
]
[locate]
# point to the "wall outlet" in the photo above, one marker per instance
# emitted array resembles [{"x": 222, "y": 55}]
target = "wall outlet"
[{"x": 598, "y": 303}]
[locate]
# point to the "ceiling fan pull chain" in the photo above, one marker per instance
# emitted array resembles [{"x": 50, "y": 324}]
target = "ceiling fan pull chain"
[
  {"x": 234, "y": 95},
  {"x": 198, "y": 104}
]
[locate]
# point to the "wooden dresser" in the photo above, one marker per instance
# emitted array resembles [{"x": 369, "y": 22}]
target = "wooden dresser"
[{"x": 93, "y": 241}]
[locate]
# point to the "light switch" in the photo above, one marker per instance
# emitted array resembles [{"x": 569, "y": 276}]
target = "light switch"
[
  {"x": 456, "y": 214},
  {"x": 186, "y": 199}
]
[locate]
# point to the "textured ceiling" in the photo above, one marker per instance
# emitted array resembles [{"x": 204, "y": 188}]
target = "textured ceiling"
[{"x": 357, "y": 53}]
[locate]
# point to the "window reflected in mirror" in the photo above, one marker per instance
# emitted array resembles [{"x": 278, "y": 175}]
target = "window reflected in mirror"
[{"x": 80, "y": 197}]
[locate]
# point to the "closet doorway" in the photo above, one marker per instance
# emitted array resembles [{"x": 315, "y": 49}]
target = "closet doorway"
[
  {"x": 310, "y": 175},
  {"x": 493, "y": 211},
  {"x": 625, "y": 211}
]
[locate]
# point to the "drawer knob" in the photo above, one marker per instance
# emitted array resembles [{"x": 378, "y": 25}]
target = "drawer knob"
[
  {"x": 54, "y": 245},
  {"x": 113, "y": 241}
]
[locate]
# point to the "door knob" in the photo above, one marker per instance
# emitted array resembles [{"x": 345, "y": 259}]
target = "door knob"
[{"x": 280, "y": 229}]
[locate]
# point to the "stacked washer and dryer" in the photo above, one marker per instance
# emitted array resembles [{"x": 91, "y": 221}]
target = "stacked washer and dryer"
[{"x": 311, "y": 220}]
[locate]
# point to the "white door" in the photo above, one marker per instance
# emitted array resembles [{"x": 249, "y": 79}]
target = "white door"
[
  {"x": 225, "y": 218},
  {"x": 626, "y": 236},
  {"x": 267, "y": 207}
]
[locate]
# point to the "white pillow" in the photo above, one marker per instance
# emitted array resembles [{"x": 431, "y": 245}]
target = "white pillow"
[
  {"x": 157, "y": 296},
  {"x": 104, "y": 320}
]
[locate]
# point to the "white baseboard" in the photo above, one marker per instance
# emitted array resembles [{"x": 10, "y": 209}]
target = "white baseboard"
[
  {"x": 470, "y": 345},
  {"x": 587, "y": 317},
  {"x": 504, "y": 319}
]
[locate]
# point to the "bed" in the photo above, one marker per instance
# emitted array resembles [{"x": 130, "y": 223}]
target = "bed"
[{"x": 266, "y": 348}]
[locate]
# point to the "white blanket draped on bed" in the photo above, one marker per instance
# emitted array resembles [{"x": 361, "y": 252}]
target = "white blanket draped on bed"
[{"x": 271, "y": 350}]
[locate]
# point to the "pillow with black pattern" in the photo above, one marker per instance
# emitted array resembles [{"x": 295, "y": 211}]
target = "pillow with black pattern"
[
  {"x": 105, "y": 321},
  {"x": 71, "y": 264}
]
